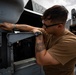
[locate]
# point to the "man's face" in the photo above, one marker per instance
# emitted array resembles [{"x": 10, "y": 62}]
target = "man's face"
[{"x": 49, "y": 26}]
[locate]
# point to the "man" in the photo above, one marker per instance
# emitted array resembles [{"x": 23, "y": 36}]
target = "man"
[{"x": 55, "y": 46}]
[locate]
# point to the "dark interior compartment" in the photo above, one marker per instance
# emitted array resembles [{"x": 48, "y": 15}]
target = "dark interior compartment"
[
  {"x": 3, "y": 50},
  {"x": 24, "y": 49}
]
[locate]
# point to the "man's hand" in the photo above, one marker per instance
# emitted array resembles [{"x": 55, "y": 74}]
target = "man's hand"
[
  {"x": 36, "y": 30},
  {"x": 7, "y": 26}
]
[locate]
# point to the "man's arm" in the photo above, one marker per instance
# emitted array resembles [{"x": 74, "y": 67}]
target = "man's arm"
[
  {"x": 24, "y": 27},
  {"x": 10, "y": 26},
  {"x": 42, "y": 55}
]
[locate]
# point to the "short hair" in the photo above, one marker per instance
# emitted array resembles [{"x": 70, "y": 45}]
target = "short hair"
[{"x": 56, "y": 13}]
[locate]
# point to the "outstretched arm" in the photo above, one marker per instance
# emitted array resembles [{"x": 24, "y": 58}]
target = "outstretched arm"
[{"x": 10, "y": 26}]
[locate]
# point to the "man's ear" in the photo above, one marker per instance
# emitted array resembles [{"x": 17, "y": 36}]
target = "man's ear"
[{"x": 60, "y": 26}]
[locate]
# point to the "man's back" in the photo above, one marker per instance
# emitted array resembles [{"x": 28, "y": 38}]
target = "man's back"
[{"x": 62, "y": 49}]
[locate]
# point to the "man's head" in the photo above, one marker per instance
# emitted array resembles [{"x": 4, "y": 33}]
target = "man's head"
[
  {"x": 55, "y": 18},
  {"x": 56, "y": 14}
]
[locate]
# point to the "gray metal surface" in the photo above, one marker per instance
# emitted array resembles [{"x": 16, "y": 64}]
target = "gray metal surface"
[
  {"x": 24, "y": 67},
  {"x": 5, "y": 71},
  {"x": 28, "y": 67},
  {"x": 10, "y": 10},
  {"x": 14, "y": 37},
  {"x": 73, "y": 16}
]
